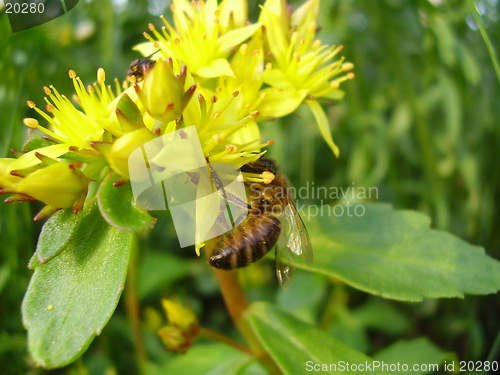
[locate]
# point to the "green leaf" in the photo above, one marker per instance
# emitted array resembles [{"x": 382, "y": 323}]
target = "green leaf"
[
  {"x": 70, "y": 299},
  {"x": 396, "y": 255},
  {"x": 304, "y": 295},
  {"x": 418, "y": 352},
  {"x": 296, "y": 346},
  {"x": 55, "y": 235},
  {"x": 347, "y": 327},
  {"x": 159, "y": 270},
  {"x": 117, "y": 207},
  {"x": 36, "y": 143},
  {"x": 81, "y": 156},
  {"x": 382, "y": 315},
  {"x": 128, "y": 114},
  {"x": 208, "y": 360}
]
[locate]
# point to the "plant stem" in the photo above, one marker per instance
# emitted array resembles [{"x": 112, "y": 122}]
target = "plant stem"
[
  {"x": 208, "y": 333},
  {"x": 133, "y": 311},
  {"x": 236, "y": 304},
  {"x": 233, "y": 293}
]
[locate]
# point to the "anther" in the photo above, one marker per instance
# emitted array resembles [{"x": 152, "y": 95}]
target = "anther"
[
  {"x": 231, "y": 149},
  {"x": 31, "y": 122},
  {"x": 268, "y": 177},
  {"x": 347, "y": 66},
  {"x": 217, "y": 138},
  {"x": 101, "y": 75}
]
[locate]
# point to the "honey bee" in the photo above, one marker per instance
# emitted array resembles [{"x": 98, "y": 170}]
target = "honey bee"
[
  {"x": 272, "y": 222},
  {"x": 138, "y": 68}
]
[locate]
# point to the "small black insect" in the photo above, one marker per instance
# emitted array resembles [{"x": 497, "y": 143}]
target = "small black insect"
[{"x": 139, "y": 67}]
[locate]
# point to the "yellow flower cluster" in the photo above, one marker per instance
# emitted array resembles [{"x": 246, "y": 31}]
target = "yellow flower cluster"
[{"x": 213, "y": 69}]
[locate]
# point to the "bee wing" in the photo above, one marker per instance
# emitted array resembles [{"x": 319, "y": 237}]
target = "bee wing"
[
  {"x": 296, "y": 233},
  {"x": 284, "y": 262},
  {"x": 294, "y": 242}
]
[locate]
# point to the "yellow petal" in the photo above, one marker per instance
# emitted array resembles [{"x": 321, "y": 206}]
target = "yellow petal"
[
  {"x": 280, "y": 102},
  {"x": 233, "y": 13},
  {"x": 173, "y": 338},
  {"x": 29, "y": 159},
  {"x": 55, "y": 185},
  {"x": 7, "y": 181},
  {"x": 274, "y": 17},
  {"x": 123, "y": 147},
  {"x": 276, "y": 78},
  {"x": 306, "y": 13},
  {"x": 236, "y": 37},
  {"x": 217, "y": 68},
  {"x": 179, "y": 315},
  {"x": 145, "y": 48},
  {"x": 183, "y": 12},
  {"x": 323, "y": 124},
  {"x": 249, "y": 134}
]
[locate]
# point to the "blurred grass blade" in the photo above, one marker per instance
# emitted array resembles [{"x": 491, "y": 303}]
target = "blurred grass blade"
[{"x": 486, "y": 39}]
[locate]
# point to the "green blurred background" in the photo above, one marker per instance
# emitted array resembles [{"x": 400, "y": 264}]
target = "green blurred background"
[{"x": 419, "y": 122}]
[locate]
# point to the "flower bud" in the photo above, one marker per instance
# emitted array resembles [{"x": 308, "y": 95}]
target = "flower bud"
[
  {"x": 121, "y": 149},
  {"x": 174, "y": 339},
  {"x": 181, "y": 316},
  {"x": 162, "y": 92},
  {"x": 183, "y": 327},
  {"x": 7, "y": 180}
]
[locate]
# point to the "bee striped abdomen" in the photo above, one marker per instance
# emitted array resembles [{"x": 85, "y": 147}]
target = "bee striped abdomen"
[{"x": 241, "y": 247}]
